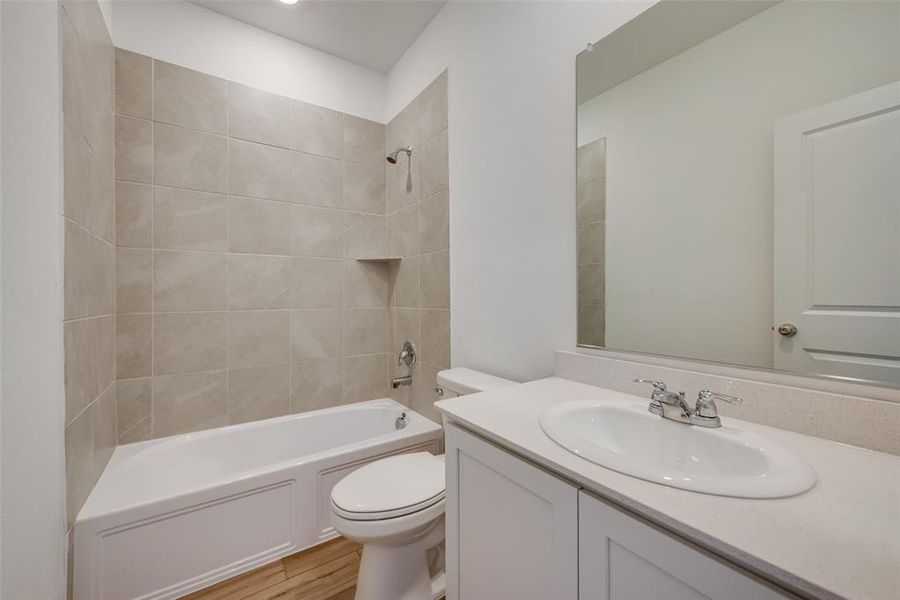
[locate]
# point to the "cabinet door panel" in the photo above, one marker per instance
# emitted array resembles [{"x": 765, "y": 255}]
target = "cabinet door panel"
[
  {"x": 512, "y": 528},
  {"x": 623, "y": 558}
]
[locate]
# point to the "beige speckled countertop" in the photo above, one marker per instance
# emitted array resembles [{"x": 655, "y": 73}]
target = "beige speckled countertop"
[{"x": 841, "y": 539}]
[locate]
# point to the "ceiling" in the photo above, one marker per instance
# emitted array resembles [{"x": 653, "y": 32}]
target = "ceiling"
[{"x": 371, "y": 33}]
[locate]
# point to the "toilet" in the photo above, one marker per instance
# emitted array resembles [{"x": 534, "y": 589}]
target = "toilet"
[{"x": 394, "y": 507}]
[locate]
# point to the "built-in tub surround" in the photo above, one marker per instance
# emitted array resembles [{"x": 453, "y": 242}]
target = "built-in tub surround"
[
  {"x": 419, "y": 233},
  {"x": 590, "y": 227},
  {"x": 175, "y": 515},
  {"x": 240, "y": 216},
  {"x": 89, "y": 326}
]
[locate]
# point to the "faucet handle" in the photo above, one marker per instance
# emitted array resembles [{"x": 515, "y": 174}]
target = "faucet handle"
[
  {"x": 659, "y": 385},
  {"x": 706, "y": 405}
]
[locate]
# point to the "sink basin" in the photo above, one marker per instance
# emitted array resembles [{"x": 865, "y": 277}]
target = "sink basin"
[{"x": 726, "y": 461}]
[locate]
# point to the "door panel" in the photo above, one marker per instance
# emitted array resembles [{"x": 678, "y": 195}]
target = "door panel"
[{"x": 837, "y": 237}]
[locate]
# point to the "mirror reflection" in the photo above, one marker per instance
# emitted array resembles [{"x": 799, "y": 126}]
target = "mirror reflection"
[{"x": 738, "y": 179}]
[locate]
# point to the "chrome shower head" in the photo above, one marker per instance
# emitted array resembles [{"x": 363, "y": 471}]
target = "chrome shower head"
[{"x": 392, "y": 157}]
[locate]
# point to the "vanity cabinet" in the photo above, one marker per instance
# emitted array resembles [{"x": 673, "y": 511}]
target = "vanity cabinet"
[
  {"x": 622, "y": 557},
  {"x": 517, "y": 532},
  {"x": 512, "y": 528}
]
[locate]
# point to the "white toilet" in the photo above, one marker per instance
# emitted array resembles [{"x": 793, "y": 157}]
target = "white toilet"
[{"x": 394, "y": 507}]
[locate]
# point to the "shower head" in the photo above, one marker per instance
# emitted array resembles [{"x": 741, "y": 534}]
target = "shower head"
[{"x": 392, "y": 157}]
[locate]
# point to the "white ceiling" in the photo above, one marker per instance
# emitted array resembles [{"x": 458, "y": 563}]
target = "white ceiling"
[{"x": 371, "y": 33}]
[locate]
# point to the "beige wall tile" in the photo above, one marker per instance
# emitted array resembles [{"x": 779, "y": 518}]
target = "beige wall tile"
[
  {"x": 364, "y": 235},
  {"x": 188, "y": 98},
  {"x": 259, "y": 226},
  {"x": 365, "y": 330},
  {"x": 363, "y": 141},
  {"x": 134, "y": 280},
  {"x": 139, "y": 433},
  {"x": 134, "y": 149},
  {"x": 73, "y": 66},
  {"x": 402, "y": 130},
  {"x": 189, "y": 402},
  {"x": 258, "y": 116},
  {"x": 592, "y": 325},
  {"x": 188, "y": 220},
  {"x": 317, "y": 282},
  {"x": 591, "y": 243},
  {"x": 258, "y": 393},
  {"x": 103, "y": 412},
  {"x": 432, "y": 108},
  {"x": 434, "y": 166},
  {"x": 134, "y": 215},
  {"x": 134, "y": 84},
  {"x": 366, "y": 283},
  {"x": 403, "y": 232},
  {"x": 591, "y": 202},
  {"x": 89, "y": 278},
  {"x": 364, "y": 188},
  {"x": 315, "y": 232},
  {"x": 591, "y": 161},
  {"x": 90, "y": 361},
  {"x": 315, "y": 334},
  {"x": 403, "y": 182},
  {"x": 434, "y": 279},
  {"x": 133, "y": 401},
  {"x": 405, "y": 282},
  {"x": 591, "y": 284},
  {"x": 259, "y": 282},
  {"x": 89, "y": 192},
  {"x": 365, "y": 378},
  {"x": 259, "y": 171},
  {"x": 190, "y": 159},
  {"x": 315, "y": 384},
  {"x": 80, "y": 473},
  {"x": 258, "y": 337},
  {"x": 316, "y": 130},
  {"x": 423, "y": 401},
  {"x": 133, "y": 346},
  {"x": 316, "y": 180},
  {"x": 434, "y": 222},
  {"x": 435, "y": 346},
  {"x": 189, "y": 281},
  {"x": 184, "y": 342},
  {"x": 405, "y": 326}
]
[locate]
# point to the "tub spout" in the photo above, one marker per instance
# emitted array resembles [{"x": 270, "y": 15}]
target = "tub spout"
[{"x": 398, "y": 381}]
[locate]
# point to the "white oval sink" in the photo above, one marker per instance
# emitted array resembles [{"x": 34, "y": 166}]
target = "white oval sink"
[{"x": 725, "y": 461}]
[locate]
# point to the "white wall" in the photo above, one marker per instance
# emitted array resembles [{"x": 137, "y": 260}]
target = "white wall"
[
  {"x": 511, "y": 93},
  {"x": 689, "y": 248},
  {"x": 32, "y": 464},
  {"x": 195, "y": 37}
]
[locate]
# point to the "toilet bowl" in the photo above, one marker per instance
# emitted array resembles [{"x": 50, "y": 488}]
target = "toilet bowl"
[{"x": 394, "y": 507}]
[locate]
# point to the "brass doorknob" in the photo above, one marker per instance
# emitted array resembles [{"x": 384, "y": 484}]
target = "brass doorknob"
[{"x": 787, "y": 330}]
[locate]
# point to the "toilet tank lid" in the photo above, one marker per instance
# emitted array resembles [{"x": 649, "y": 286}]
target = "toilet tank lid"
[{"x": 468, "y": 381}]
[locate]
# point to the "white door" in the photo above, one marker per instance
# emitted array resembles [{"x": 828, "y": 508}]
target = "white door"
[
  {"x": 624, "y": 558},
  {"x": 837, "y": 238},
  {"x": 512, "y": 528}
]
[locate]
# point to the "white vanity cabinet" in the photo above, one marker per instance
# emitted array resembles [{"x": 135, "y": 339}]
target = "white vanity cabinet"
[
  {"x": 512, "y": 528},
  {"x": 621, "y": 557},
  {"x": 515, "y": 531}
]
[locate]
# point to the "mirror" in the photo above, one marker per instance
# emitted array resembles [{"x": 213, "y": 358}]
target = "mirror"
[{"x": 738, "y": 186}]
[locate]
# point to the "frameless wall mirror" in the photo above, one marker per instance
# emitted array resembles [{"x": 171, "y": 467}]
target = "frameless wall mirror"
[{"x": 738, "y": 173}]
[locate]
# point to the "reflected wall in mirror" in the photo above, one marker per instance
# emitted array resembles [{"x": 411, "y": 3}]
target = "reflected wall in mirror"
[{"x": 738, "y": 177}]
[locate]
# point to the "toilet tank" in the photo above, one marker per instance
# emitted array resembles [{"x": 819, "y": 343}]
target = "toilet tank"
[{"x": 461, "y": 381}]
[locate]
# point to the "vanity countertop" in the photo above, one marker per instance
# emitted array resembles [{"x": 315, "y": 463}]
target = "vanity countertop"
[{"x": 841, "y": 539}]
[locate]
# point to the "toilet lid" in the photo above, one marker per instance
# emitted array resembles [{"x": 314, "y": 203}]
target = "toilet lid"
[{"x": 397, "y": 485}]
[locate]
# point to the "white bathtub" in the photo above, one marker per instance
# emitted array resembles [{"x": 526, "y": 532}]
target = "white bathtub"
[{"x": 177, "y": 514}]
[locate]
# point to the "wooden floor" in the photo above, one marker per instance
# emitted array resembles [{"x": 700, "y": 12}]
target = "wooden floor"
[{"x": 325, "y": 572}]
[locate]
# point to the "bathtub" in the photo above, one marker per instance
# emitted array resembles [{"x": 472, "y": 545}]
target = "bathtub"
[{"x": 173, "y": 515}]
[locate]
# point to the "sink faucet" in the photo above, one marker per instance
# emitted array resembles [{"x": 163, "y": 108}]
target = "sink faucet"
[{"x": 672, "y": 405}]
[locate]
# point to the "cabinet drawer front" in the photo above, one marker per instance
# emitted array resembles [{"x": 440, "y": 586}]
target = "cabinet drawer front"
[
  {"x": 623, "y": 558},
  {"x": 512, "y": 528}
]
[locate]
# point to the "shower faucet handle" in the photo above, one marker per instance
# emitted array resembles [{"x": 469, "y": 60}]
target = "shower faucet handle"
[{"x": 407, "y": 355}]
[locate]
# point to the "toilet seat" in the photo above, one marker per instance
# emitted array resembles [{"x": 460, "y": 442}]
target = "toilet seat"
[{"x": 389, "y": 488}]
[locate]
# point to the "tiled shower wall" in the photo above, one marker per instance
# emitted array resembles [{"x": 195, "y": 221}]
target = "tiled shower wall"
[
  {"x": 591, "y": 234},
  {"x": 240, "y": 215},
  {"x": 89, "y": 267},
  {"x": 419, "y": 233}
]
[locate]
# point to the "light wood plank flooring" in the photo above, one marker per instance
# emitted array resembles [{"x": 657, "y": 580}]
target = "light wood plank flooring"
[{"x": 325, "y": 572}]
